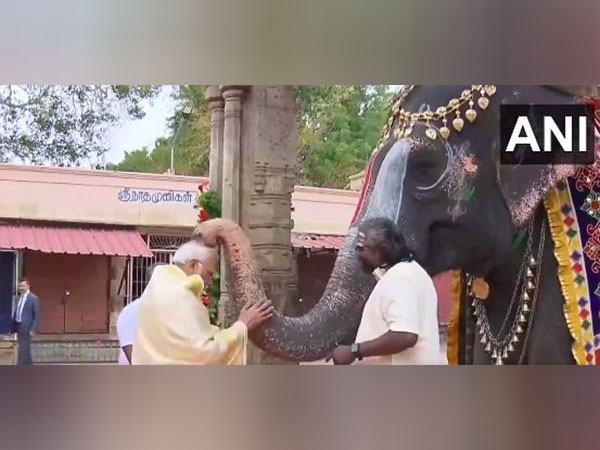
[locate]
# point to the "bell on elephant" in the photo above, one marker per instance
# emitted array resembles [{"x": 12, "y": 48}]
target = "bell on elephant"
[
  {"x": 529, "y": 273},
  {"x": 522, "y": 318},
  {"x": 480, "y": 289},
  {"x": 532, "y": 262}
]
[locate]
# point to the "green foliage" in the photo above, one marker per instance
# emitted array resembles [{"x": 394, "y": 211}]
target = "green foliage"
[
  {"x": 211, "y": 202},
  {"x": 338, "y": 128},
  {"x": 193, "y": 143},
  {"x": 137, "y": 161},
  {"x": 65, "y": 124},
  {"x": 214, "y": 293},
  {"x": 157, "y": 160}
]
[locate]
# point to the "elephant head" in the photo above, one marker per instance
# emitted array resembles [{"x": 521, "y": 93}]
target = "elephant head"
[{"x": 457, "y": 207}]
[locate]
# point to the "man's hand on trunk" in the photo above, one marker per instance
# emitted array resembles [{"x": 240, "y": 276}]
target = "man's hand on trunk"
[
  {"x": 342, "y": 355},
  {"x": 254, "y": 314}
]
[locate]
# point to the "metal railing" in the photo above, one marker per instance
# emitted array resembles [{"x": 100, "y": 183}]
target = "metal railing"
[{"x": 163, "y": 248}]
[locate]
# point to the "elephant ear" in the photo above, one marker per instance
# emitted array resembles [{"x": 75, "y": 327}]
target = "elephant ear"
[{"x": 525, "y": 186}]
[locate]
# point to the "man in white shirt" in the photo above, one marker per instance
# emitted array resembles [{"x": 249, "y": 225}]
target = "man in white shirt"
[
  {"x": 399, "y": 325},
  {"x": 127, "y": 325},
  {"x": 126, "y": 329}
]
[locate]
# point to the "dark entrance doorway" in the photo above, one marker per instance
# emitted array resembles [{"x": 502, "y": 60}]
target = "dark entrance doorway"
[{"x": 7, "y": 289}]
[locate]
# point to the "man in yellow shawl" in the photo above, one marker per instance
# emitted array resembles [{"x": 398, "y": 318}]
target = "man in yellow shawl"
[{"x": 173, "y": 323}]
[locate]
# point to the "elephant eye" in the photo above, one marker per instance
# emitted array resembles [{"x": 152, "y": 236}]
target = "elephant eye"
[
  {"x": 425, "y": 173},
  {"x": 426, "y": 167}
]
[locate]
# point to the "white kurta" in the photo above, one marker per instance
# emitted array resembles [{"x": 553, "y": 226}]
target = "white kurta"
[{"x": 404, "y": 300}]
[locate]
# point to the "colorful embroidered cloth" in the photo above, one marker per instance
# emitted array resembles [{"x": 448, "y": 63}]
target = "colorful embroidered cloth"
[{"x": 574, "y": 210}]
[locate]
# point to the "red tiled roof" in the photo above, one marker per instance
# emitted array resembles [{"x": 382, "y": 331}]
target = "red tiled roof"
[
  {"x": 317, "y": 241},
  {"x": 82, "y": 241}
]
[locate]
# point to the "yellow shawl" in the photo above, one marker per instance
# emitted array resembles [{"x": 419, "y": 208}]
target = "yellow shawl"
[{"x": 174, "y": 325}]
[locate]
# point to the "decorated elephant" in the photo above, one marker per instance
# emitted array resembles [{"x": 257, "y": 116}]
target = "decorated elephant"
[{"x": 520, "y": 238}]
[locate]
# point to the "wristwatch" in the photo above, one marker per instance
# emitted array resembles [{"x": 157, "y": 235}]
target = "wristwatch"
[{"x": 355, "y": 349}]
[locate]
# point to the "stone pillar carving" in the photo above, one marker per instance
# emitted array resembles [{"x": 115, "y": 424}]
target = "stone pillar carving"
[
  {"x": 269, "y": 143},
  {"x": 216, "y": 104},
  {"x": 230, "y": 181}
]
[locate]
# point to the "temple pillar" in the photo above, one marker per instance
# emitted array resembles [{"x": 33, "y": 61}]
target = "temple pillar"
[
  {"x": 258, "y": 159},
  {"x": 269, "y": 149},
  {"x": 230, "y": 181},
  {"x": 216, "y": 106}
]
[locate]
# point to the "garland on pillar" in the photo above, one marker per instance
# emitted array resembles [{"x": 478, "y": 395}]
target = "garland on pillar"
[{"x": 209, "y": 207}]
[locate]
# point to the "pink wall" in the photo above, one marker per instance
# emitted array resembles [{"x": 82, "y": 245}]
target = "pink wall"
[
  {"x": 71, "y": 195},
  {"x": 323, "y": 211},
  {"x": 74, "y": 195}
]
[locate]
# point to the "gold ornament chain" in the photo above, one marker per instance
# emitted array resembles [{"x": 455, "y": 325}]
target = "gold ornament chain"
[
  {"x": 405, "y": 120},
  {"x": 500, "y": 350}
]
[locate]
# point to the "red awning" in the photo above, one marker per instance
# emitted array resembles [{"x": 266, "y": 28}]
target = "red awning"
[
  {"x": 77, "y": 241},
  {"x": 317, "y": 241}
]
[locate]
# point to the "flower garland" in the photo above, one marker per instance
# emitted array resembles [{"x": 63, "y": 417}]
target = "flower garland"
[{"x": 208, "y": 204}]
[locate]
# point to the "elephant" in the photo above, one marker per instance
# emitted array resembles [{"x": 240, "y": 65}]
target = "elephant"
[{"x": 458, "y": 208}]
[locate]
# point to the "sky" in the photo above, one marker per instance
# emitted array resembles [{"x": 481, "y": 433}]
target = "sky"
[{"x": 135, "y": 134}]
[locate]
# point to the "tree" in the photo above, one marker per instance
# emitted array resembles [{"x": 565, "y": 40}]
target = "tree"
[
  {"x": 66, "y": 124},
  {"x": 136, "y": 161},
  {"x": 193, "y": 143},
  {"x": 338, "y": 127}
]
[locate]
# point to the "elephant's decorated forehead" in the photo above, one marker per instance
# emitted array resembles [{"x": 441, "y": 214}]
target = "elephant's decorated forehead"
[{"x": 457, "y": 180}]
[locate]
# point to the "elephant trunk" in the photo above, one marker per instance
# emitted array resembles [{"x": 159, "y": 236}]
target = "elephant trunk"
[{"x": 333, "y": 320}]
